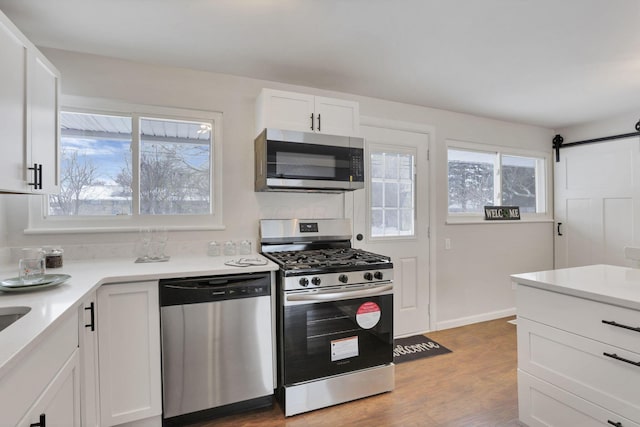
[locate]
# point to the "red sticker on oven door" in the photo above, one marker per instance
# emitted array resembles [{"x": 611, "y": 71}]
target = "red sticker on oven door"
[{"x": 368, "y": 315}]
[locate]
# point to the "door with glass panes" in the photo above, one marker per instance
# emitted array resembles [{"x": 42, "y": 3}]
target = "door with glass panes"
[{"x": 391, "y": 217}]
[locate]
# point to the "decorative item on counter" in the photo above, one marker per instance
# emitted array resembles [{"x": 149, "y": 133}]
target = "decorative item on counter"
[
  {"x": 53, "y": 256},
  {"x": 229, "y": 248},
  {"x": 151, "y": 245},
  {"x": 31, "y": 265},
  {"x": 246, "y": 262},
  {"x": 244, "y": 247},
  {"x": 213, "y": 249}
]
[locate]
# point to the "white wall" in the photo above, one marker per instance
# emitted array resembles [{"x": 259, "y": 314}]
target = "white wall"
[{"x": 471, "y": 281}]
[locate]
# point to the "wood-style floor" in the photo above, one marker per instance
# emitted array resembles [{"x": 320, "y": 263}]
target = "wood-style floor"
[{"x": 475, "y": 385}]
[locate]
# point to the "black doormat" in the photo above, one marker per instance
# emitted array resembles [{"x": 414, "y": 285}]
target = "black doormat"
[{"x": 416, "y": 347}]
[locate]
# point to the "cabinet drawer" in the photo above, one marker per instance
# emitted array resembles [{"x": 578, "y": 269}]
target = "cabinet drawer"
[
  {"x": 581, "y": 316},
  {"x": 543, "y": 404},
  {"x": 23, "y": 384},
  {"x": 580, "y": 366}
]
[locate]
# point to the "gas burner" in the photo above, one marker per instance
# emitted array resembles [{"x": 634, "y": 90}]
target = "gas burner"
[{"x": 326, "y": 258}]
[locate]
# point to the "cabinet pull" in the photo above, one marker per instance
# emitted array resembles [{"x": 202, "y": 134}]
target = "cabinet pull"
[
  {"x": 91, "y": 325},
  {"x": 311, "y": 121},
  {"x": 319, "y": 122},
  {"x": 41, "y": 423},
  {"x": 617, "y": 424},
  {"x": 622, "y": 359},
  {"x": 559, "y": 232},
  {"x": 620, "y": 325},
  {"x": 37, "y": 176}
]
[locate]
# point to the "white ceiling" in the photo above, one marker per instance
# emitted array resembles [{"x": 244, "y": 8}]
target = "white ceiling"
[{"x": 553, "y": 63}]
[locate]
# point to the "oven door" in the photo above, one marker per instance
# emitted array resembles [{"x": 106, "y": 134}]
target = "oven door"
[{"x": 336, "y": 331}]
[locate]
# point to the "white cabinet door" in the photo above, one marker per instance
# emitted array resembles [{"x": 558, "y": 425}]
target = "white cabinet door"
[
  {"x": 43, "y": 123},
  {"x": 597, "y": 203},
  {"x": 30, "y": 87},
  {"x": 88, "y": 343},
  {"x": 59, "y": 404},
  {"x": 306, "y": 113},
  {"x": 285, "y": 110},
  {"x": 13, "y": 86},
  {"x": 337, "y": 116},
  {"x": 128, "y": 324}
]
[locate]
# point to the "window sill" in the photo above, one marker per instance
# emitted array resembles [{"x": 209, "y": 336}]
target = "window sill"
[
  {"x": 87, "y": 230},
  {"x": 479, "y": 220}
]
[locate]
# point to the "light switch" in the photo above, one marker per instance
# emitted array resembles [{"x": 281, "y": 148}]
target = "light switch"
[{"x": 447, "y": 243}]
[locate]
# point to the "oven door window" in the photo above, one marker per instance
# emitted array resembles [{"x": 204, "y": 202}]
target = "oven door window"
[
  {"x": 289, "y": 160},
  {"x": 330, "y": 338}
]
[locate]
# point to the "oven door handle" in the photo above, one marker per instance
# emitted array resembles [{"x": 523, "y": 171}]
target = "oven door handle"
[{"x": 333, "y": 296}]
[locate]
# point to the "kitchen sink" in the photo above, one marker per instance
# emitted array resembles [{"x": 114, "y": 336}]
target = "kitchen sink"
[{"x": 8, "y": 315}]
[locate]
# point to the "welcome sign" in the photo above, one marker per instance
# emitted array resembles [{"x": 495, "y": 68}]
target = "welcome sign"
[{"x": 495, "y": 213}]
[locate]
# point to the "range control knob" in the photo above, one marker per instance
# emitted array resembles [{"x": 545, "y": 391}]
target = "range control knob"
[
  {"x": 368, "y": 276},
  {"x": 343, "y": 278},
  {"x": 304, "y": 282},
  {"x": 378, "y": 275},
  {"x": 316, "y": 281}
]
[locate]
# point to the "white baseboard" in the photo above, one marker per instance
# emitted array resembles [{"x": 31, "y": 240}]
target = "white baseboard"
[{"x": 462, "y": 321}]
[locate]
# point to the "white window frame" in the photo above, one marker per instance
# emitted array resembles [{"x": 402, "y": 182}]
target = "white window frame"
[
  {"x": 41, "y": 223},
  {"x": 543, "y": 182}
]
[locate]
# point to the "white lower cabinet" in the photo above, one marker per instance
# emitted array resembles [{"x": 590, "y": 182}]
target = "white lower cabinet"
[
  {"x": 543, "y": 404},
  {"x": 59, "y": 404},
  {"x": 578, "y": 363},
  {"x": 128, "y": 324},
  {"x": 88, "y": 340},
  {"x": 44, "y": 385}
]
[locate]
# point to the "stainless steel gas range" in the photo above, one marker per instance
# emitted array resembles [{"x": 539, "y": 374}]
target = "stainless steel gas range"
[{"x": 334, "y": 314}]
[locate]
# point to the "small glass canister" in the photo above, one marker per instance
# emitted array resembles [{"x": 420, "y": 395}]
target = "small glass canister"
[
  {"x": 31, "y": 265},
  {"x": 53, "y": 256}
]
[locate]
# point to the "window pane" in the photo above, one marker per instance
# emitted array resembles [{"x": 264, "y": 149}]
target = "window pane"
[
  {"x": 377, "y": 165},
  {"x": 519, "y": 182},
  {"x": 391, "y": 166},
  {"x": 392, "y": 194},
  {"x": 95, "y": 166},
  {"x": 175, "y": 167},
  {"x": 377, "y": 192},
  {"x": 471, "y": 183}
]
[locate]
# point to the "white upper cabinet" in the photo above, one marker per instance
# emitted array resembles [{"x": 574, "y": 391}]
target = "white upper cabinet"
[
  {"x": 306, "y": 113},
  {"x": 29, "y": 97}
]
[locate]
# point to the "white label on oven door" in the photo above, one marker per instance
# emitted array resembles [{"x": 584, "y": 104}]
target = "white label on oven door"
[
  {"x": 368, "y": 315},
  {"x": 344, "y": 348}
]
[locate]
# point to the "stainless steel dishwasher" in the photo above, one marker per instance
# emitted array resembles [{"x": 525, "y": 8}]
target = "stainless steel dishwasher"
[{"x": 217, "y": 351}]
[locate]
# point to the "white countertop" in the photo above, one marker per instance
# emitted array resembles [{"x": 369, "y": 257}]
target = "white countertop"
[
  {"x": 605, "y": 283},
  {"x": 50, "y": 305}
]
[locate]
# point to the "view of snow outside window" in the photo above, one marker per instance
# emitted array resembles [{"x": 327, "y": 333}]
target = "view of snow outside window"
[
  {"x": 477, "y": 179},
  {"x": 97, "y": 166},
  {"x": 392, "y": 194}
]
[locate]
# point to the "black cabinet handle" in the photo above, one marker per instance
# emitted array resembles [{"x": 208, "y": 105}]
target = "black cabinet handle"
[
  {"x": 37, "y": 176},
  {"x": 617, "y": 424},
  {"x": 311, "y": 121},
  {"x": 620, "y": 325},
  {"x": 622, "y": 359},
  {"x": 41, "y": 423},
  {"x": 319, "y": 122},
  {"x": 91, "y": 325},
  {"x": 559, "y": 233}
]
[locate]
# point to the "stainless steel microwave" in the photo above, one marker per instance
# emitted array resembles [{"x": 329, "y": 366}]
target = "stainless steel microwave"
[{"x": 306, "y": 161}]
